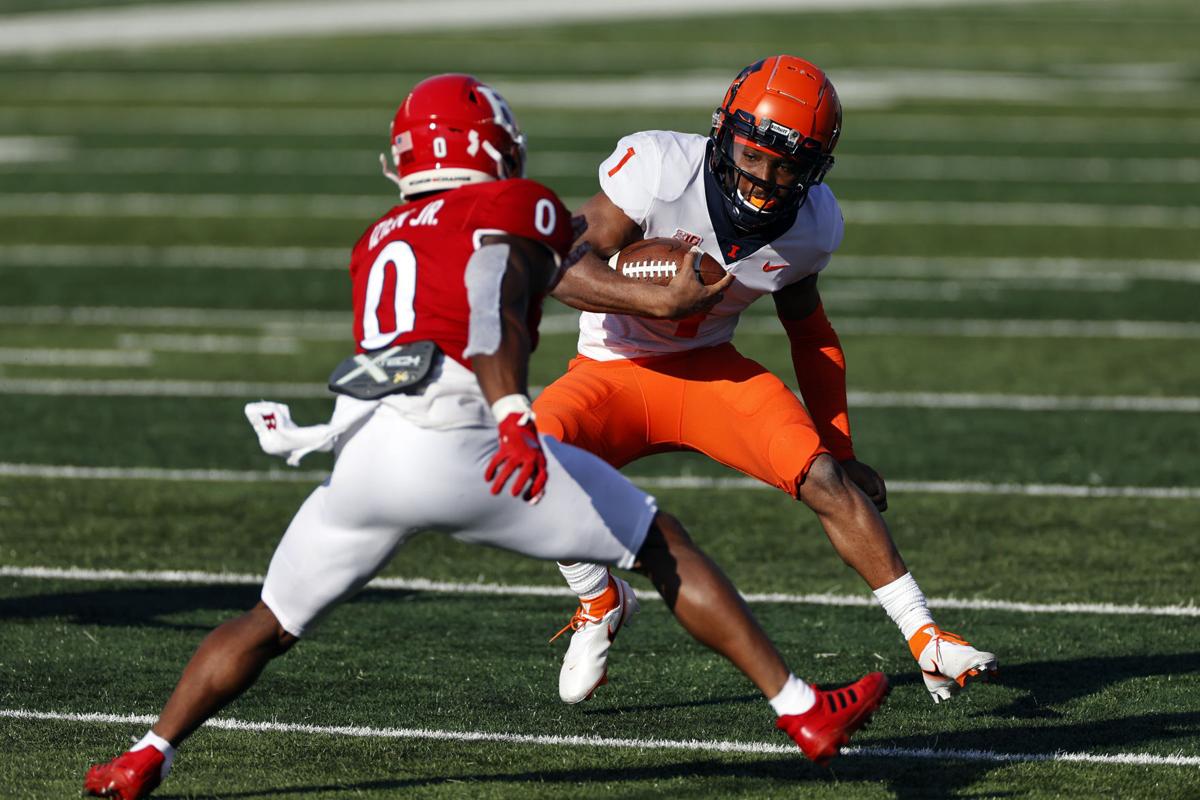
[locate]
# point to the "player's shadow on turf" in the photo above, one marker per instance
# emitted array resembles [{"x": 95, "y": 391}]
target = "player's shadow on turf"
[
  {"x": 133, "y": 606},
  {"x": 1051, "y": 683},
  {"x": 935, "y": 780},
  {"x": 907, "y": 777},
  {"x": 1039, "y": 740},
  {"x": 714, "y": 701}
]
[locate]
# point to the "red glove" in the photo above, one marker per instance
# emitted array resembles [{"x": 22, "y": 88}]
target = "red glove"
[{"x": 520, "y": 452}]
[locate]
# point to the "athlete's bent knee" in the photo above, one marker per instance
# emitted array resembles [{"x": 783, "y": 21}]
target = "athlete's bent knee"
[
  {"x": 271, "y": 634},
  {"x": 824, "y": 485}
]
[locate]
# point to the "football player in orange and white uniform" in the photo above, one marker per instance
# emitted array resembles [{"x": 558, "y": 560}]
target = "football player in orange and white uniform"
[
  {"x": 447, "y": 289},
  {"x": 656, "y": 369}
]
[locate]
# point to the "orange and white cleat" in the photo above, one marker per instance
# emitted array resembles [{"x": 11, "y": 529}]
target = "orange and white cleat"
[
  {"x": 821, "y": 731},
  {"x": 130, "y": 776},
  {"x": 948, "y": 662},
  {"x": 595, "y": 625}
]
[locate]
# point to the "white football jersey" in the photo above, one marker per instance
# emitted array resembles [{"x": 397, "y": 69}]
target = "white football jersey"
[{"x": 658, "y": 179}]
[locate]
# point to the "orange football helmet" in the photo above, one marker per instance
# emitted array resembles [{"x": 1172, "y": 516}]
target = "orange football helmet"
[
  {"x": 784, "y": 106},
  {"x": 453, "y": 130}
]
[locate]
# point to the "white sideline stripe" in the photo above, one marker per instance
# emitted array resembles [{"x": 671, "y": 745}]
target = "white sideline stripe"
[
  {"x": 62, "y": 387},
  {"x": 327, "y": 206},
  {"x": 559, "y": 740},
  {"x": 335, "y": 325},
  {"x": 160, "y": 24},
  {"x": 50, "y": 357},
  {"x": 448, "y": 587},
  {"x": 62, "y": 471}
]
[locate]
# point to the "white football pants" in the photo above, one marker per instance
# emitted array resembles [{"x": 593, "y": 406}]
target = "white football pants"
[{"x": 393, "y": 478}]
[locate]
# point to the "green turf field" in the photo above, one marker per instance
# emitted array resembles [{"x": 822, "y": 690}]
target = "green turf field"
[{"x": 1017, "y": 295}]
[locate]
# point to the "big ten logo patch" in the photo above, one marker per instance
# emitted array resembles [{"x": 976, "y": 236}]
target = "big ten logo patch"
[{"x": 687, "y": 236}]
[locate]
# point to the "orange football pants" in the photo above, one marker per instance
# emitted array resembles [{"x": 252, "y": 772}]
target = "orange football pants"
[{"x": 712, "y": 400}]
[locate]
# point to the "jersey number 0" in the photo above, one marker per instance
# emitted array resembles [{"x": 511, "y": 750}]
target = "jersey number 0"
[{"x": 391, "y": 288}]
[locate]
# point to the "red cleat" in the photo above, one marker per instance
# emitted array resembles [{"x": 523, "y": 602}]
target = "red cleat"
[
  {"x": 130, "y": 776},
  {"x": 823, "y": 729}
]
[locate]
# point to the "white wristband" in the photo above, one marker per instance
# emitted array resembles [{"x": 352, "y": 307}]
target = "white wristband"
[{"x": 513, "y": 404}]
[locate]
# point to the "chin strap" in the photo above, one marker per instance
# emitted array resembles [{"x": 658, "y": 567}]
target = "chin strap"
[{"x": 389, "y": 173}]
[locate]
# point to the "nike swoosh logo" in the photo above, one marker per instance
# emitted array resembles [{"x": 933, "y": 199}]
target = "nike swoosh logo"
[{"x": 769, "y": 267}]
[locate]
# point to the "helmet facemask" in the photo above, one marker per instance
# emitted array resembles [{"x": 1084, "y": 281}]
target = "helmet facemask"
[{"x": 732, "y": 134}]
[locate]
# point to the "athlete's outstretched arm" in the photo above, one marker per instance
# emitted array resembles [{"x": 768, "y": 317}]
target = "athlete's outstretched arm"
[
  {"x": 504, "y": 275},
  {"x": 591, "y": 285},
  {"x": 500, "y": 354},
  {"x": 820, "y": 368}
]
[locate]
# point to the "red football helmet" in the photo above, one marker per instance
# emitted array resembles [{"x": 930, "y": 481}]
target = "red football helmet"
[
  {"x": 787, "y": 107},
  {"x": 452, "y": 130}
]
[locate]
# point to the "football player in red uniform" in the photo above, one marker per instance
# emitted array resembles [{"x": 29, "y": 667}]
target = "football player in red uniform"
[
  {"x": 657, "y": 370},
  {"x": 433, "y": 428}
]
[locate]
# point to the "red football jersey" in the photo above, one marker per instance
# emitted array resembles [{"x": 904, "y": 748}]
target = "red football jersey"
[{"x": 409, "y": 268}]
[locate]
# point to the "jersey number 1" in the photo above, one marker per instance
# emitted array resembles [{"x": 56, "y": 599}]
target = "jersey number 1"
[{"x": 391, "y": 288}]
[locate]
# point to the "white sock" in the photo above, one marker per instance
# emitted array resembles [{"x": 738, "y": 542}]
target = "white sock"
[
  {"x": 586, "y": 580},
  {"x": 795, "y": 697},
  {"x": 152, "y": 739},
  {"x": 904, "y": 602}
]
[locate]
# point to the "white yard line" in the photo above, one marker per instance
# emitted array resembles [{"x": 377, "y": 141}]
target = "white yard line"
[
  {"x": 186, "y": 120},
  {"x": 22, "y": 154},
  {"x": 860, "y": 89},
  {"x": 174, "y": 257},
  {"x": 70, "y": 387},
  {"x": 167, "y": 317},
  {"x": 1022, "y": 402},
  {"x": 66, "y": 472},
  {"x": 601, "y": 742},
  {"x": 977, "y": 328},
  {"x": 33, "y": 149},
  {"x": 335, "y": 325},
  {"x": 1020, "y": 214},
  {"x": 50, "y": 357},
  {"x": 158, "y": 25},
  {"x": 210, "y": 343},
  {"x": 328, "y": 206},
  {"x": 69, "y": 472},
  {"x": 194, "y": 577},
  {"x": 1081, "y": 271}
]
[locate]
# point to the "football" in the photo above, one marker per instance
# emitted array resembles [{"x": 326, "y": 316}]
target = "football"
[{"x": 656, "y": 260}]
